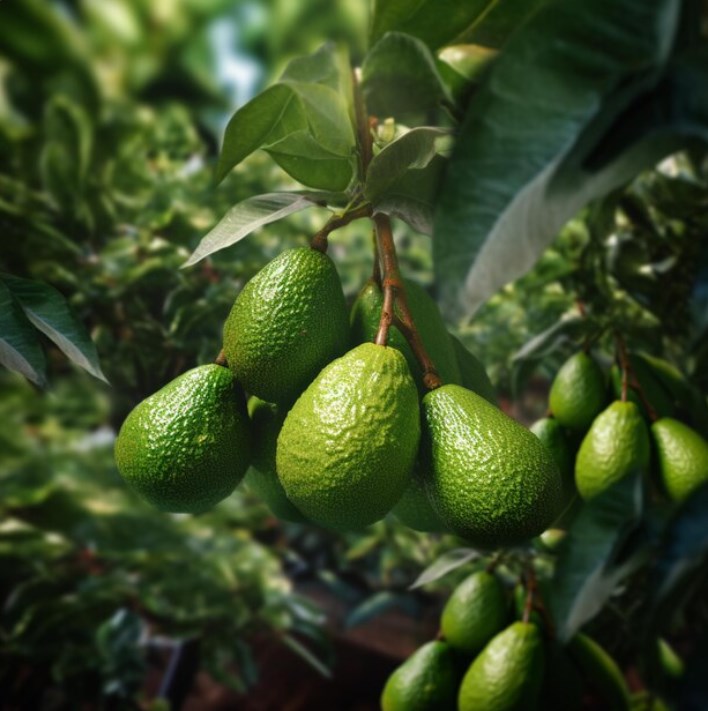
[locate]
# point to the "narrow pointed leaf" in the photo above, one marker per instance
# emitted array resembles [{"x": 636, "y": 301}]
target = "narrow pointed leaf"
[
  {"x": 446, "y": 563},
  {"x": 247, "y": 216},
  {"x": 49, "y": 312},
  {"x": 19, "y": 348}
]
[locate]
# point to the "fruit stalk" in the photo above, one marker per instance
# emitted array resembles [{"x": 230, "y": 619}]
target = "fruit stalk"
[
  {"x": 320, "y": 239},
  {"x": 629, "y": 378},
  {"x": 395, "y": 296}
]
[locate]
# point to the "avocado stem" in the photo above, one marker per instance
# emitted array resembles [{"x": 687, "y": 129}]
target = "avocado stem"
[
  {"x": 395, "y": 305},
  {"x": 629, "y": 378},
  {"x": 221, "y": 358},
  {"x": 320, "y": 239}
]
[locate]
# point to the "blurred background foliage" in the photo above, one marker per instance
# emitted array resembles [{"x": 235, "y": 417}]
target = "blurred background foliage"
[{"x": 111, "y": 115}]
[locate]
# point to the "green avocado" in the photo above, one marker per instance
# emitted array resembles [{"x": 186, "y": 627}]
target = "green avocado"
[
  {"x": 492, "y": 481},
  {"x": 287, "y": 323},
  {"x": 414, "y": 508},
  {"x": 186, "y": 447},
  {"x": 346, "y": 449},
  {"x": 578, "y": 392}
]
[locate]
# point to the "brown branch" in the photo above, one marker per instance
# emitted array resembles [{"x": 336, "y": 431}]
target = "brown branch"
[
  {"x": 320, "y": 242},
  {"x": 395, "y": 304}
]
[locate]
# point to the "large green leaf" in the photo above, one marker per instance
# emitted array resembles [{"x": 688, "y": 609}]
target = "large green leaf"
[
  {"x": 436, "y": 22},
  {"x": 592, "y": 560},
  {"x": 19, "y": 348},
  {"x": 304, "y": 121},
  {"x": 247, "y": 216},
  {"x": 499, "y": 21},
  {"x": 445, "y": 564},
  {"x": 399, "y": 76},
  {"x": 528, "y": 117},
  {"x": 48, "y": 311}
]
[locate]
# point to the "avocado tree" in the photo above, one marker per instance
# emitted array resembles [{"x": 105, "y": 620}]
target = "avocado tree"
[{"x": 490, "y": 127}]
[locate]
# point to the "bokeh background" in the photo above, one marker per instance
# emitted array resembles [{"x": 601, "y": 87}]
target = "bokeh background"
[{"x": 111, "y": 115}]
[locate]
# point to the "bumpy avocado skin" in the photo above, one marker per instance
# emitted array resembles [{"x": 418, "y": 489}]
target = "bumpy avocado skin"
[
  {"x": 366, "y": 314},
  {"x": 492, "y": 481},
  {"x": 615, "y": 446},
  {"x": 347, "y": 446},
  {"x": 426, "y": 681},
  {"x": 186, "y": 447},
  {"x": 578, "y": 392},
  {"x": 266, "y": 422},
  {"x": 507, "y": 674},
  {"x": 287, "y": 323},
  {"x": 682, "y": 457}
]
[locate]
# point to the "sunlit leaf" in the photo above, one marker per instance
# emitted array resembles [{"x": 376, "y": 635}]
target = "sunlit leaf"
[
  {"x": 48, "y": 311},
  {"x": 19, "y": 347},
  {"x": 247, "y": 216}
]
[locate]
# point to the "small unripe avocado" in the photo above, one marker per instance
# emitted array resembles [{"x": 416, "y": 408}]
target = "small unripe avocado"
[
  {"x": 426, "y": 681},
  {"x": 492, "y": 481},
  {"x": 616, "y": 445},
  {"x": 347, "y": 446},
  {"x": 287, "y": 323},
  {"x": 476, "y": 610},
  {"x": 578, "y": 392},
  {"x": 186, "y": 447},
  {"x": 266, "y": 422},
  {"x": 507, "y": 674},
  {"x": 682, "y": 455}
]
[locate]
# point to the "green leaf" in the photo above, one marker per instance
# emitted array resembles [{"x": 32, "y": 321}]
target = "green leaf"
[
  {"x": 49, "y": 312},
  {"x": 372, "y": 606},
  {"x": 399, "y": 76},
  {"x": 412, "y": 197},
  {"x": 681, "y": 562},
  {"x": 499, "y": 21},
  {"x": 247, "y": 216},
  {"x": 468, "y": 60},
  {"x": 445, "y": 564},
  {"x": 304, "y": 123},
  {"x": 495, "y": 216},
  {"x": 435, "y": 22},
  {"x": 414, "y": 150},
  {"x": 19, "y": 347},
  {"x": 305, "y": 654},
  {"x": 589, "y": 565}
]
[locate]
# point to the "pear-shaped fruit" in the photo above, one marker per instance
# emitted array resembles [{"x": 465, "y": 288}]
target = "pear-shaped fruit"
[
  {"x": 266, "y": 422},
  {"x": 186, "y": 447},
  {"x": 366, "y": 314},
  {"x": 473, "y": 375},
  {"x": 616, "y": 445},
  {"x": 600, "y": 671},
  {"x": 347, "y": 446},
  {"x": 492, "y": 481},
  {"x": 426, "y": 681},
  {"x": 578, "y": 392},
  {"x": 287, "y": 323},
  {"x": 682, "y": 455},
  {"x": 507, "y": 674},
  {"x": 474, "y": 613},
  {"x": 551, "y": 433},
  {"x": 414, "y": 508}
]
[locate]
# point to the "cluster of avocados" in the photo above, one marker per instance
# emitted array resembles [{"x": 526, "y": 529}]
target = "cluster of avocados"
[
  {"x": 337, "y": 430},
  {"x": 487, "y": 657},
  {"x": 598, "y": 436}
]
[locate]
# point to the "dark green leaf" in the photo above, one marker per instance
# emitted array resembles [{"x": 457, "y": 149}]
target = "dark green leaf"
[
  {"x": 48, "y": 311},
  {"x": 412, "y": 197},
  {"x": 494, "y": 214},
  {"x": 436, "y": 22},
  {"x": 375, "y": 605},
  {"x": 494, "y": 27},
  {"x": 682, "y": 558},
  {"x": 19, "y": 347},
  {"x": 414, "y": 150},
  {"x": 589, "y": 565},
  {"x": 468, "y": 60},
  {"x": 399, "y": 76},
  {"x": 444, "y": 564},
  {"x": 247, "y": 216}
]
